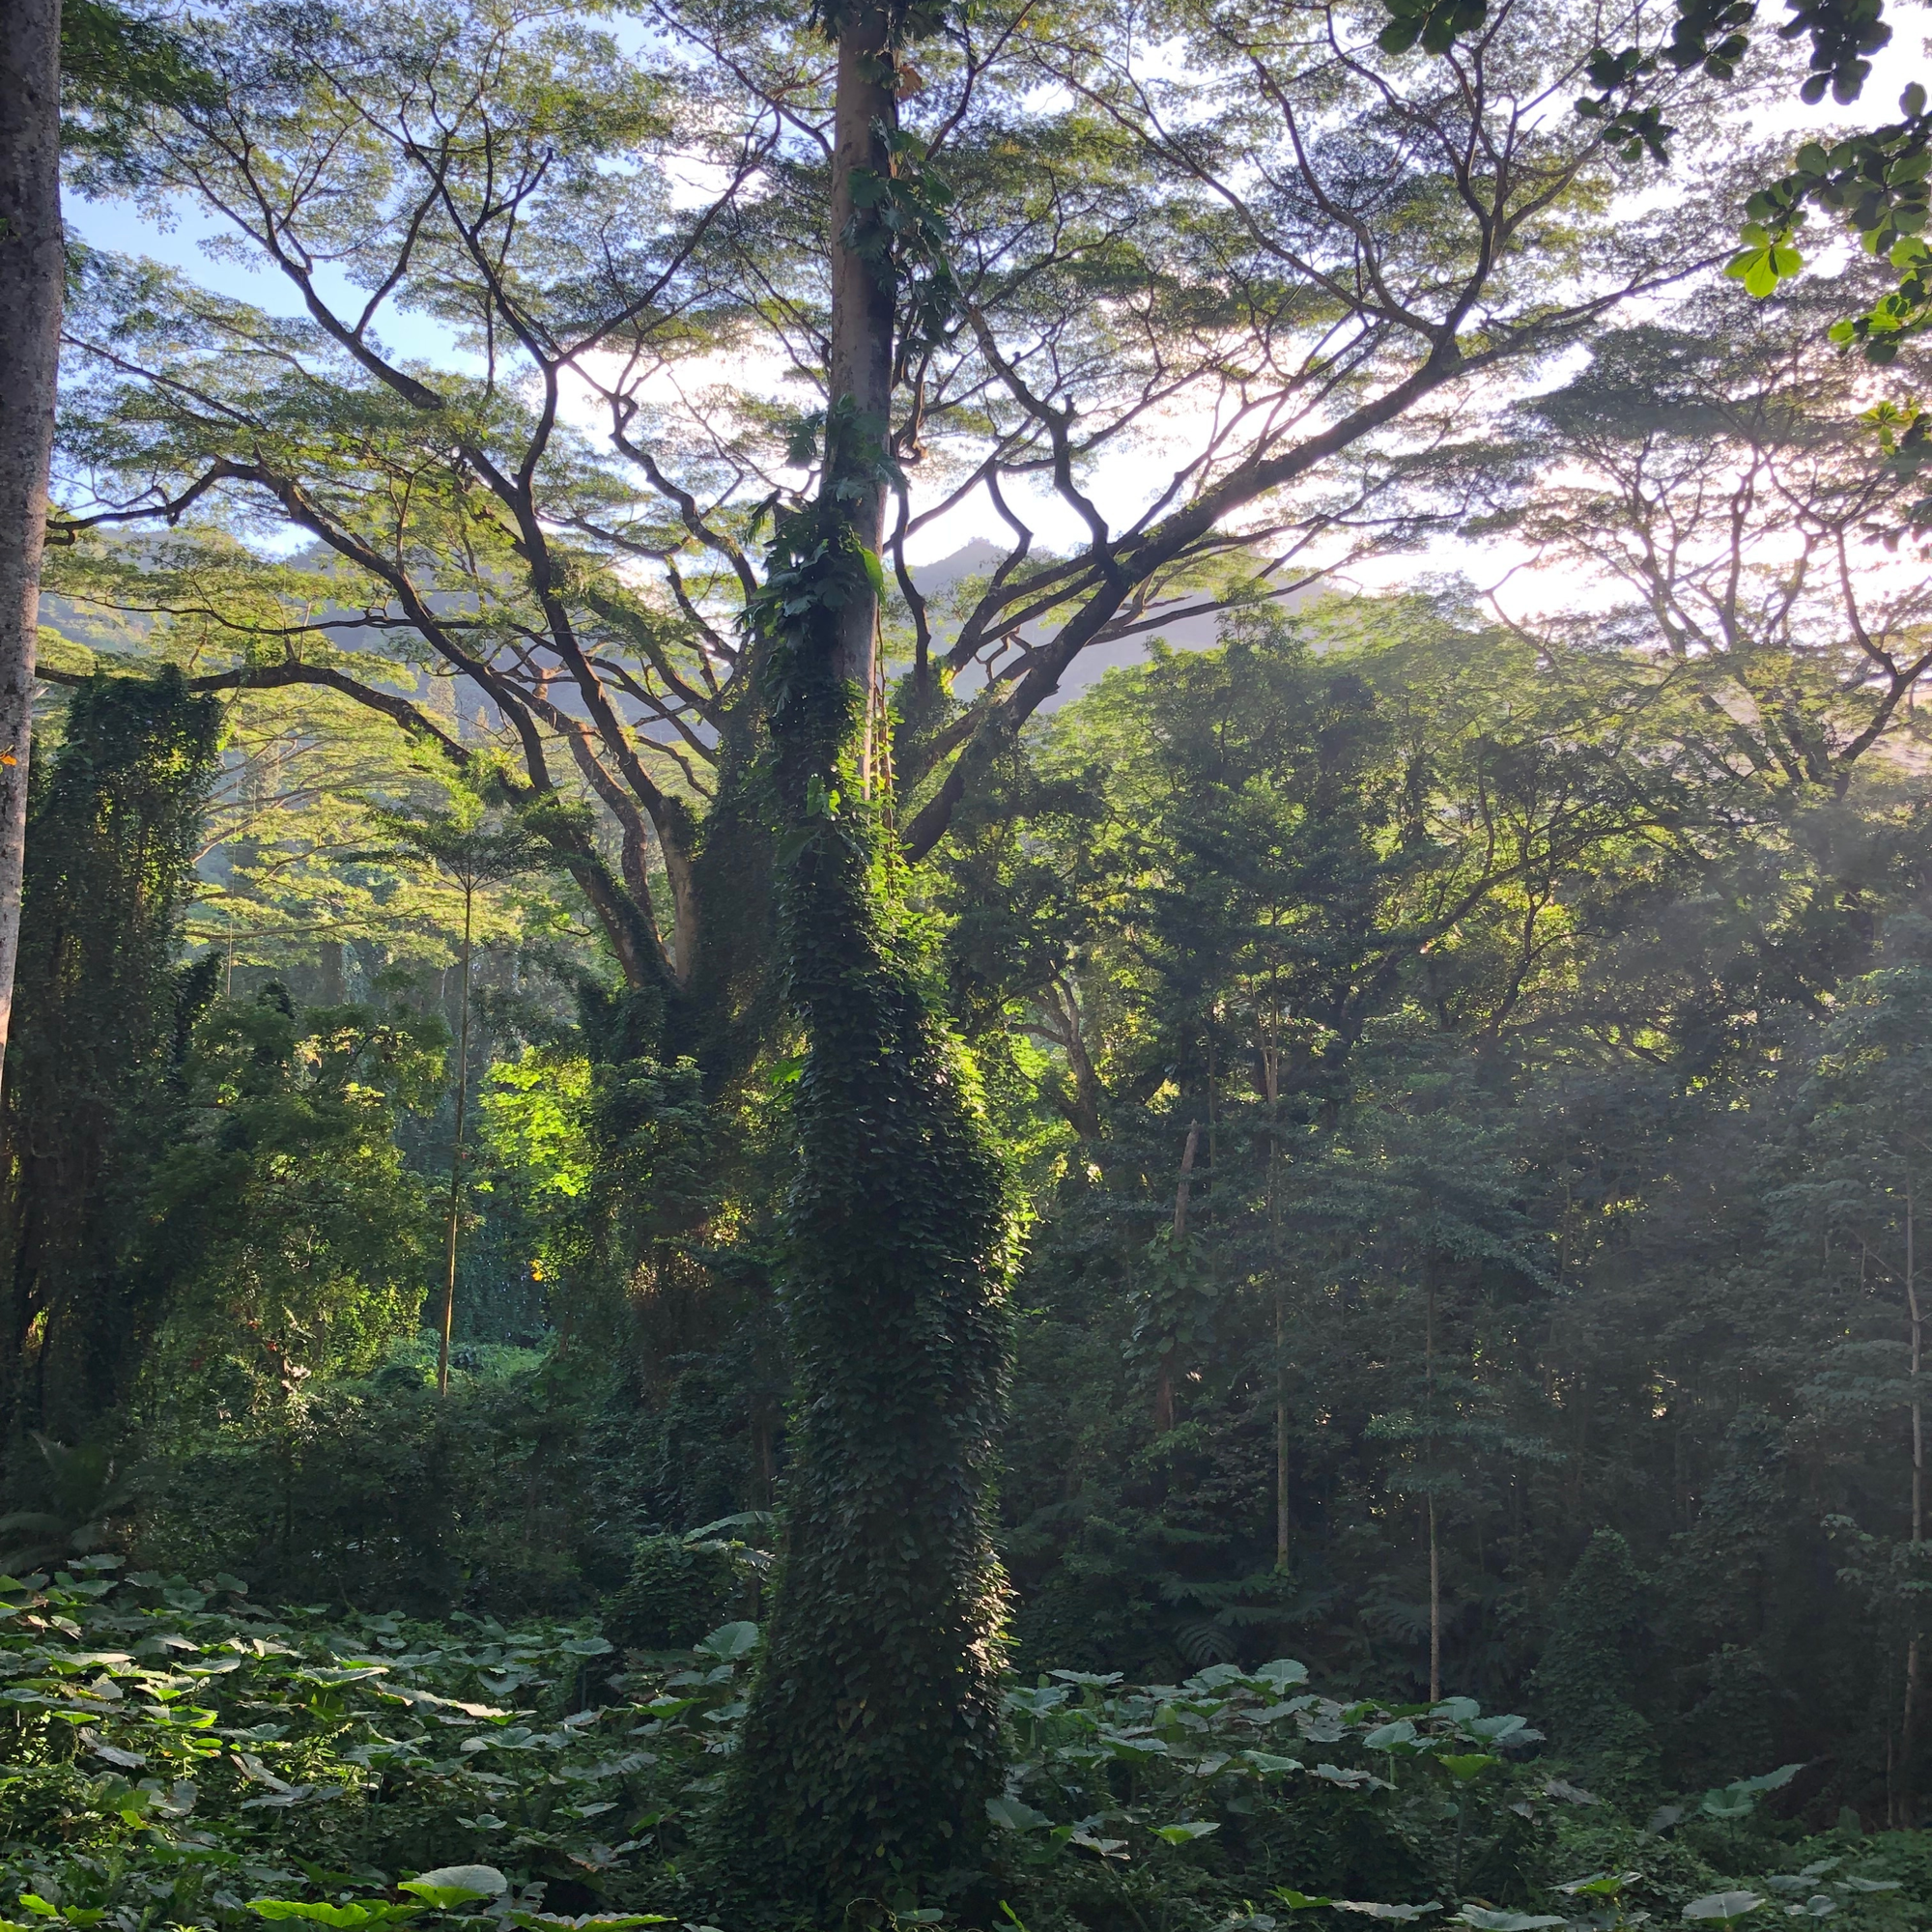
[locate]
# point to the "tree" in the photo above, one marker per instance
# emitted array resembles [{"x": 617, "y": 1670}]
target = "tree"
[
  {"x": 1868, "y": 1140},
  {"x": 92, "y": 56},
  {"x": 1720, "y": 469},
  {"x": 31, "y": 273},
  {"x": 873, "y": 1742},
  {"x": 471, "y": 855},
  {"x": 114, "y": 824},
  {"x": 1015, "y": 364},
  {"x": 1589, "y": 1672},
  {"x": 285, "y": 1235}
]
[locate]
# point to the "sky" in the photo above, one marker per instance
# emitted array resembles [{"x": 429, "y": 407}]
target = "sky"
[{"x": 180, "y": 242}]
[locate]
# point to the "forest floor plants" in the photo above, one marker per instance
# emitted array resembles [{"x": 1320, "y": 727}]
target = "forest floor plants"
[{"x": 180, "y": 1756}]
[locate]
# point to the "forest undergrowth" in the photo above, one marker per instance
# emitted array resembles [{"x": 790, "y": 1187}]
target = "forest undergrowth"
[{"x": 178, "y": 1755}]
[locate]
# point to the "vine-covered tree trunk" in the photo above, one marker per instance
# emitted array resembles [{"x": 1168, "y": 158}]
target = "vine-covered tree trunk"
[
  {"x": 29, "y": 319},
  {"x": 90, "y": 1097},
  {"x": 873, "y": 1742}
]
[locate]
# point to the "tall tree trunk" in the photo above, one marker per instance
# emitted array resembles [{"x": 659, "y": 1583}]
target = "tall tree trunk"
[
  {"x": 861, "y": 327},
  {"x": 871, "y": 1741},
  {"x": 1435, "y": 1547},
  {"x": 1908, "y": 1802},
  {"x": 30, "y": 320},
  {"x": 455, "y": 1151},
  {"x": 1434, "y": 1607},
  {"x": 1272, "y": 1077},
  {"x": 1163, "y": 1384}
]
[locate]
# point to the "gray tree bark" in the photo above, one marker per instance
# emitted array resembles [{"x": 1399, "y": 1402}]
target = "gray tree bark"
[
  {"x": 31, "y": 259},
  {"x": 862, "y": 309}
]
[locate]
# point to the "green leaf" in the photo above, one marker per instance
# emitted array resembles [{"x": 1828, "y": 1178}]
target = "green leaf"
[
  {"x": 1506, "y": 1921},
  {"x": 1388, "y": 1737},
  {"x": 1014, "y": 1814},
  {"x": 1183, "y": 1834},
  {"x": 1299, "y": 1901},
  {"x": 1598, "y": 1885},
  {"x": 1467, "y": 1766},
  {"x": 1725, "y": 1906},
  {"x": 456, "y": 1885},
  {"x": 731, "y": 1641},
  {"x": 1492, "y": 1730},
  {"x": 1282, "y": 1672}
]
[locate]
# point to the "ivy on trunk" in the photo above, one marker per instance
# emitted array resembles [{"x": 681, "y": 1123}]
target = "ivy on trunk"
[{"x": 872, "y": 1741}]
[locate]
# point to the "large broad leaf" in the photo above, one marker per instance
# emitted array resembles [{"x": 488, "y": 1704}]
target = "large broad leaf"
[
  {"x": 1014, "y": 1814},
  {"x": 1371, "y": 1909},
  {"x": 1282, "y": 1672},
  {"x": 1598, "y": 1885},
  {"x": 1216, "y": 1677},
  {"x": 1390, "y": 1737},
  {"x": 456, "y": 1885},
  {"x": 1492, "y": 1730},
  {"x": 1506, "y": 1921},
  {"x": 731, "y": 1641},
  {"x": 1183, "y": 1834},
  {"x": 1725, "y": 1906}
]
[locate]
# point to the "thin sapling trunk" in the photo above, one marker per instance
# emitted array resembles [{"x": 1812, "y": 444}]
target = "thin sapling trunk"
[
  {"x": 1909, "y": 1727},
  {"x": 456, "y": 1147}
]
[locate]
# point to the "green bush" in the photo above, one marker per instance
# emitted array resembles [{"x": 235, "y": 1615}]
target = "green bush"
[{"x": 675, "y": 1594}]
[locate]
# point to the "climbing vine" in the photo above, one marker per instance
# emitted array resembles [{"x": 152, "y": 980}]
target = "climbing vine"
[{"x": 872, "y": 1741}]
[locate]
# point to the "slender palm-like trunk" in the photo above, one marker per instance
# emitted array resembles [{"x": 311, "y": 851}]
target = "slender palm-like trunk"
[
  {"x": 456, "y": 1147},
  {"x": 1909, "y": 1727},
  {"x": 1271, "y": 1074},
  {"x": 29, "y": 319},
  {"x": 1434, "y": 1608},
  {"x": 1163, "y": 1386},
  {"x": 1435, "y": 1547}
]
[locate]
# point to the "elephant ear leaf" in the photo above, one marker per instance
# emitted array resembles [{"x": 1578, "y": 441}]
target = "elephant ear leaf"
[
  {"x": 1723, "y": 1906},
  {"x": 1506, "y": 1921},
  {"x": 456, "y": 1885}
]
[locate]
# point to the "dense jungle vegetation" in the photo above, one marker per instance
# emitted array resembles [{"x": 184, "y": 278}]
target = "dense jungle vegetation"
[{"x": 694, "y": 1231}]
